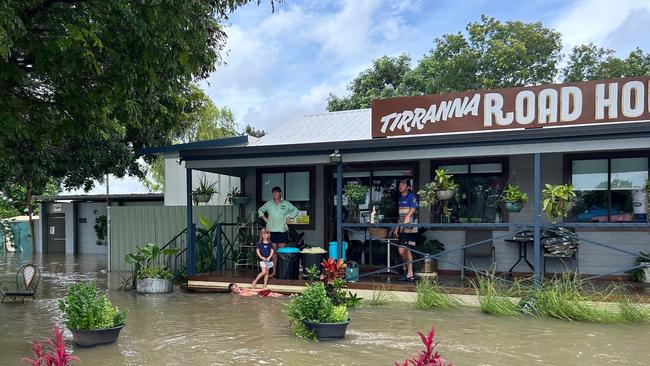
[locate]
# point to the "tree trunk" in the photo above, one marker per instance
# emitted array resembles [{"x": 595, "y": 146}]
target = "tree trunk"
[{"x": 30, "y": 213}]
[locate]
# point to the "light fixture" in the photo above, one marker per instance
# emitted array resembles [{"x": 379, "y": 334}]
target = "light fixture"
[{"x": 335, "y": 157}]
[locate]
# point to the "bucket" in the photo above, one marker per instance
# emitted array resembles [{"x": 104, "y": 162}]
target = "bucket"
[
  {"x": 352, "y": 271},
  {"x": 334, "y": 254}
]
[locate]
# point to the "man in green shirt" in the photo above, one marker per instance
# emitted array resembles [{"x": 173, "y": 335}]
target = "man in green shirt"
[{"x": 277, "y": 213}]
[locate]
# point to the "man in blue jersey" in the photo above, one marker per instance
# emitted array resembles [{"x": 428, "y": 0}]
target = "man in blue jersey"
[{"x": 408, "y": 206}]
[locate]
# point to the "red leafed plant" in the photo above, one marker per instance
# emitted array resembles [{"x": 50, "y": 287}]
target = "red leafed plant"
[
  {"x": 51, "y": 351},
  {"x": 428, "y": 357},
  {"x": 332, "y": 270}
]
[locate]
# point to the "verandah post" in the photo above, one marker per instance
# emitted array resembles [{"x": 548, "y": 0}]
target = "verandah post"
[
  {"x": 191, "y": 263},
  {"x": 537, "y": 218},
  {"x": 339, "y": 208}
]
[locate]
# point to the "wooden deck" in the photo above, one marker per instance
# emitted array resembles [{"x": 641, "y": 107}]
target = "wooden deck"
[{"x": 452, "y": 283}]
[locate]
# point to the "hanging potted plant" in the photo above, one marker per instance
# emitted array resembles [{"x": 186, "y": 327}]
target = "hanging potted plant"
[
  {"x": 152, "y": 278},
  {"x": 557, "y": 201},
  {"x": 204, "y": 191},
  {"x": 445, "y": 185},
  {"x": 235, "y": 197},
  {"x": 90, "y": 316},
  {"x": 356, "y": 194},
  {"x": 514, "y": 198}
]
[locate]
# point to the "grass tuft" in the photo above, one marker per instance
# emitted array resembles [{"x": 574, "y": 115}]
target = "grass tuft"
[
  {"x": 380, "y": 296},
  {"x": 430, "y": 295},
  {"x": 631, "y": 312},
  {"x": 495, "y": 297}
]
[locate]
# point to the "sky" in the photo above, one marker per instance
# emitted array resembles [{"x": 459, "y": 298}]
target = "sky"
[{"x": 278, "y": 66}]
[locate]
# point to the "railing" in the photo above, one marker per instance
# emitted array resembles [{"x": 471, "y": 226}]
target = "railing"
[{"x": 511, "y": 229}]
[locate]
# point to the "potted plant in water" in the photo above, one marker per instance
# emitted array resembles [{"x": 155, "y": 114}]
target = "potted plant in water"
[
  {"x": 90, "y": 316},
  {"x": 557, "y": 200},
  {"x": 313, "y": 314},
  {"x": 151, "y": 277},
  {"x": 514, "y": 198},
  {"x": 204, "y": 191},
  {"x": 235, "y": 197}
]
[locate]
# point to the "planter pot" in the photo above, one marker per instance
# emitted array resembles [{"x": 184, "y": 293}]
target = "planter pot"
[
  {"x": 240, "y": 201},
  {"x": 327, "y": 331},
  {"x": 93, "y": 337},
  {"x": 646, "y": 274},
  {"x": 513, "y": 206},
  {"x": 378, "y": 232},
  {"x": 445, "y": 195},
  {"x": 430, "y": 265},
  {"x": 202, "y": 197},
  {"x": 154, "y": 286}
]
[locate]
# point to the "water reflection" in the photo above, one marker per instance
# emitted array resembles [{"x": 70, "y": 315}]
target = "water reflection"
[{"x": 223, "y": 329}]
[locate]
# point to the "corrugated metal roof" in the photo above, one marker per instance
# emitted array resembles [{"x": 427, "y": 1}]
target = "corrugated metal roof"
[{"x": 323, "y": 127}]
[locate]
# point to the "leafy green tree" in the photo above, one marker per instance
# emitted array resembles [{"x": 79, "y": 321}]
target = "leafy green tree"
[
  {"x": 381, "y": 80},
  {"x": 85, "y": 84},
  {"x": 590, "y": 62},
  {"x": 252, "y": 131},
  {"x": 13, "y": 198},
  {"x": 492, "y": 54},
  {"x": 205, "y": 121}
]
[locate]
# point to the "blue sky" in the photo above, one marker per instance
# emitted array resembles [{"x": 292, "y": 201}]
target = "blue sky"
[{"x": 279, "y": 66}]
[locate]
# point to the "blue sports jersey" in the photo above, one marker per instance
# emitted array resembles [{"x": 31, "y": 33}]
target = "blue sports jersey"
[{"x": 406, "y": 202}]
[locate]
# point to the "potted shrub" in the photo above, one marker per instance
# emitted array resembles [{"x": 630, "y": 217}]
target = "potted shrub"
[
  {"x": 90, "y": 316},
  {"x": 235, "y": 197},
  {"x": 313, "y": 314},
  {"x": 151, "y": 278},
  {"x": 642, "y": 274},
  {"x": 514, "y": 198},
  {"x": 204, "y": 191},
  {"x": 557, "y": 201},
  {"x": 429, "y": 266},
  {"x": 356, "y": 194}
]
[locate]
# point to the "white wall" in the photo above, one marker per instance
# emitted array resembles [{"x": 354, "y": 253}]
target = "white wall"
[
  {"x": 176, "y": 185},
  {"x": 86, "y": 236}
]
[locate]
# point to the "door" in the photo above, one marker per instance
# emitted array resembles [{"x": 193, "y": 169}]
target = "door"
[{"x": 56, "y": 233}]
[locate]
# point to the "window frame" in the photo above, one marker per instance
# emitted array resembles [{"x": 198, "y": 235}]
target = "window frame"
[
  {"x": 505, "y": 173},
  {"x": 312, "y": 190},
  {"x": 568, "y": 169}
]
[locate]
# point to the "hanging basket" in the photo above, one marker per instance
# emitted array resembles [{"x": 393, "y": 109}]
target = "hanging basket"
[
  {"x": 445, "y": 195},
  {"x": 513, "y": 206}
]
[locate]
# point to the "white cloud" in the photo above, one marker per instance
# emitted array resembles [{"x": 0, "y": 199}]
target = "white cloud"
[{"x": 597, "y": 21}]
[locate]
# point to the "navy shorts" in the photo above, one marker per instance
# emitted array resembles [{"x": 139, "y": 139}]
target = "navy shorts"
[
  {"x": 408, "y": 239},
  {"x": 277, "y": 237}
]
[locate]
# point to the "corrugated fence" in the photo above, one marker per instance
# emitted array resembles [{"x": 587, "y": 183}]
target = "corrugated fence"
[{"x": 139, "y": 225}]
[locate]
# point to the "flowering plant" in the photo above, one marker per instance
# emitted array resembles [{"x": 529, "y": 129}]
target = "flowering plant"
[
  {"x": 428, "y": 357},
  {"x": 51, "y": 352}
]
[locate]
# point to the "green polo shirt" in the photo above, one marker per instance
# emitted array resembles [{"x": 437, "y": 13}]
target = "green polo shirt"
[{"x": 278, "y": 214}]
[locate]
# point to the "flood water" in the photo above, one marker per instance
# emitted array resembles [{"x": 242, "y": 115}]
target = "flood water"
[{"x": 223, "y": 329}]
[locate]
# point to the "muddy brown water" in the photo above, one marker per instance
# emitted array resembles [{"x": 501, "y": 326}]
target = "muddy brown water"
[{"x": 222, "y": 329}]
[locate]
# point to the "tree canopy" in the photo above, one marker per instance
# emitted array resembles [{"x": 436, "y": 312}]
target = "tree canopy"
[
  {"x": 490, "y": 54},
  {"x": 85, "y": 84}
]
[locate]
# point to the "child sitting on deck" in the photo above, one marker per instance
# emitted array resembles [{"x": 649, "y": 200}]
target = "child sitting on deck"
[{"x": 265, "y": 254}]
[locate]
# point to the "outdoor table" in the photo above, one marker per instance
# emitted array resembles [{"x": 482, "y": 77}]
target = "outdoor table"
[{"x": 523, "y": 251}]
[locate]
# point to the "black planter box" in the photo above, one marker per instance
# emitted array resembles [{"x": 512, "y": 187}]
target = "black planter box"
[
  {"x": 327, "y": 331},
  {"x": 93, "y": 337}
]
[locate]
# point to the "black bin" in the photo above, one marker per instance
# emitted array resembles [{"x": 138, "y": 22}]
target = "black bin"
[
  {"x": 312, "y": 259},
  {"x": 288, "y": 263}
]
